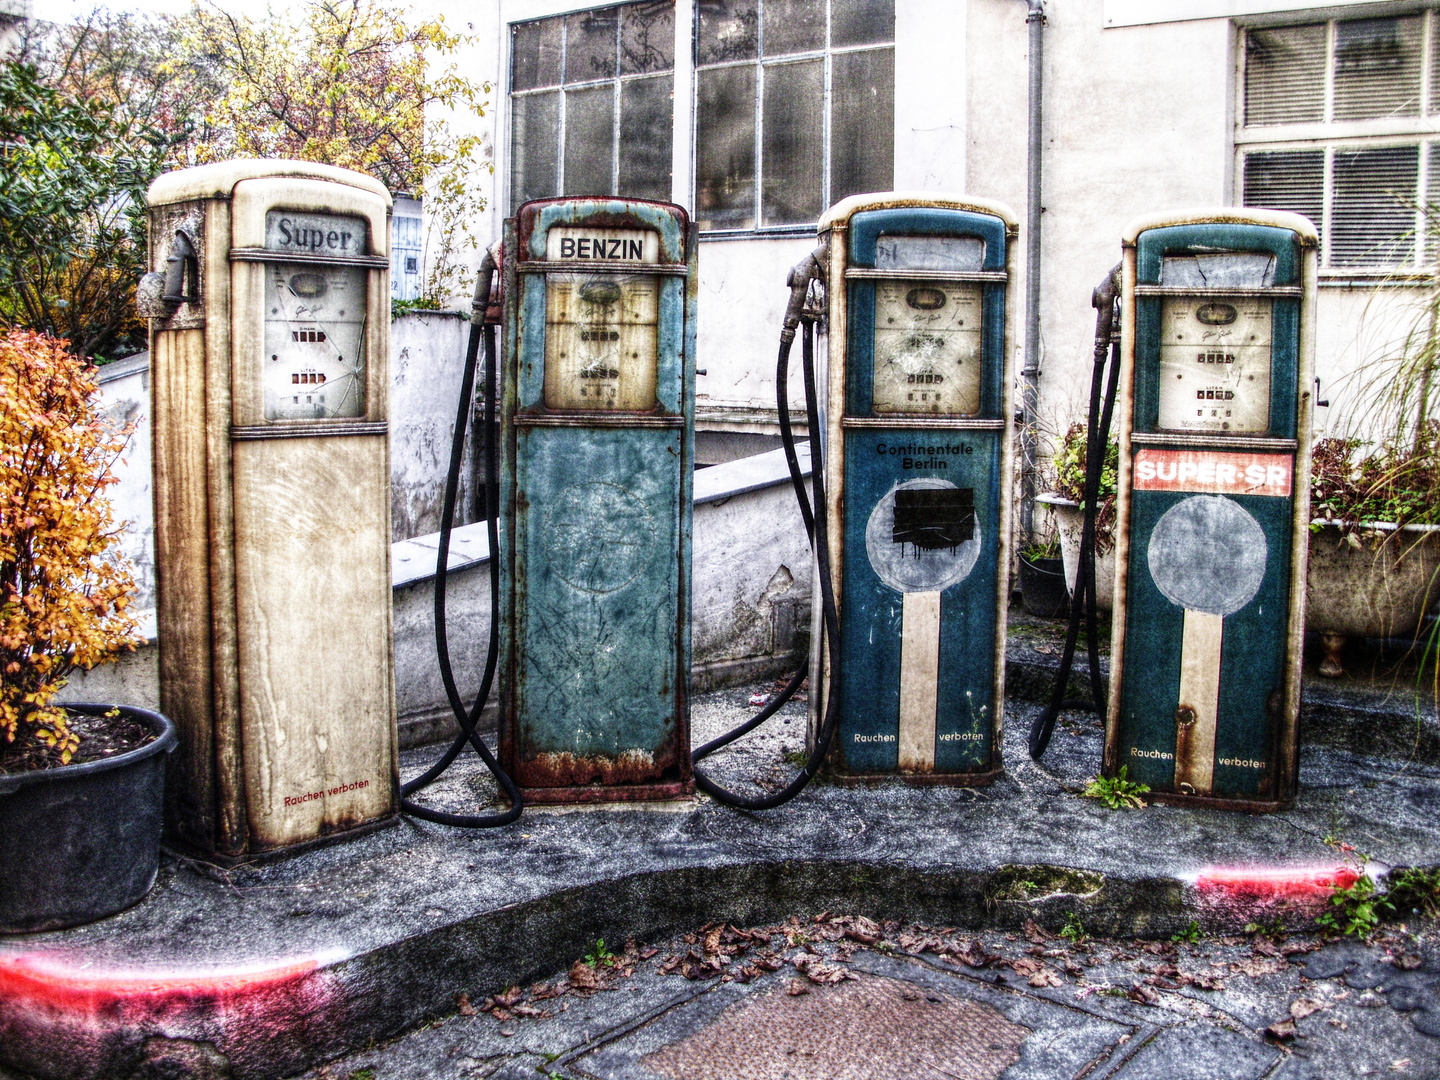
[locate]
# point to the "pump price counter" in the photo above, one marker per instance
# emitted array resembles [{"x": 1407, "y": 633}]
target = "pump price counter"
[
  {"x": 268, "y": 302},
  {"x": 597, "y": 448},
  {"x": 1212, "y": 528},
  {"x": 917, "y": 467}
]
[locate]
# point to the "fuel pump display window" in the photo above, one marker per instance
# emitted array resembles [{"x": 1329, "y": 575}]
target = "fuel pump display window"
[
  {"x": 1215, "y": 364},
  {"x": 314, "y": 341},
  {"x": 927, "y": 347},
  {"x": 601, "y": 340}
]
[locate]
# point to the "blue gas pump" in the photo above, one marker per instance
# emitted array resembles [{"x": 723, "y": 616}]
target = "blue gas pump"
[
  {"x": 917, "y": 472},
  {"x": 1217, "y": 359}
]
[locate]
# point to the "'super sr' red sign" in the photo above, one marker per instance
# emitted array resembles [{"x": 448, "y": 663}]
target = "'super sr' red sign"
[{"x": 1215, "y": 471}]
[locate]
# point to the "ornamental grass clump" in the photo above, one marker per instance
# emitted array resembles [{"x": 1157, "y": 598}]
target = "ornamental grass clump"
[{"x": 63, "y": 589}]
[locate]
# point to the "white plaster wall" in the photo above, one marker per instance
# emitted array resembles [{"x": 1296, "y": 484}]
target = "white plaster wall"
[
  {"x": 427, "y": 361},
  {"x": 931, "y": 95},
  {"x": 742, "y": 307},
  {"x": 127, "y": 400}
]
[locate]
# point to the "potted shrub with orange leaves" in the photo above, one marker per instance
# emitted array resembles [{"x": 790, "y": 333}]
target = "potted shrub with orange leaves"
[{"x": 81, "y": 786}]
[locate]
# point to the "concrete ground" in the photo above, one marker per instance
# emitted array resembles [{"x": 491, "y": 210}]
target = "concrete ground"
[{"x": 833, "y": 997}]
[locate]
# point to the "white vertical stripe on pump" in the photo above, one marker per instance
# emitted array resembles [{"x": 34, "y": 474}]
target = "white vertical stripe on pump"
[
  {"x": 1199, "y": 690},
  {"x": 919, "y": 679}
]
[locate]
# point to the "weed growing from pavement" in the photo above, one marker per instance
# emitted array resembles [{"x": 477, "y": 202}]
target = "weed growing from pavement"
[
  {"x": 1354, "y": 909},
  {"x": 1117, "y": 792},
  {"x": 600, "y": 956},
  {"x": 1415, "y": 890},
  {"x": 1190, "y": 935},
  {"x": 1074, "y": 930}
]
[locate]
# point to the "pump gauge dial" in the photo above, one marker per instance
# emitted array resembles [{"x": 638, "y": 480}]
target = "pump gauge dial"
[
  {"x": 927, "y": 347},
  {"x": 314, "y": 341},
  {"x": 602, "y": 344},
  {"x": 1215, "y": 364}
]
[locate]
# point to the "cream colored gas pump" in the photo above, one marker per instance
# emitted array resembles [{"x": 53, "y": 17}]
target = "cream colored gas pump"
[{"x": 269, "y": 340}]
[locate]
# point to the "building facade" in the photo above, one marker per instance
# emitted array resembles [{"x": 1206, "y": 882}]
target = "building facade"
[{"x": 756, "y": 115}]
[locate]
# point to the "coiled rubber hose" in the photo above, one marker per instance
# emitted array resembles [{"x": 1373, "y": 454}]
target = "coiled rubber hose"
[
  {"x": 467, "y": 717},
  {"x": 815, "y": 529},
  {"x": 1106, "y": 300}
]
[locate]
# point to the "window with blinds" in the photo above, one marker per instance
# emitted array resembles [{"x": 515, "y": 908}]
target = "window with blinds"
[
  {"x": 1340, "y": 121},
  {"x": 591, "y": 103}
]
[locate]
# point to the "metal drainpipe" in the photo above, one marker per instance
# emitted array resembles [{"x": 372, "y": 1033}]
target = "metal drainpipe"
[{"x": 1030, "y": 374}]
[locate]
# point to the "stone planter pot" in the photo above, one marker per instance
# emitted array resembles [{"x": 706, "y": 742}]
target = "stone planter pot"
[
  {"x": 1070, "y": 520},
  {"x": 1379, "y": 588},
  {"x": 81, "y": 842}
]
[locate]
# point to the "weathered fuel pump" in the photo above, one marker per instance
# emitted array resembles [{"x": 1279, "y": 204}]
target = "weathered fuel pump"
[
  {"x": 1217, "y": 348},
  {"x": 269, "y": 340},
  {"x": 917, "y": 477},
  {"x": 597, "y": 448}
]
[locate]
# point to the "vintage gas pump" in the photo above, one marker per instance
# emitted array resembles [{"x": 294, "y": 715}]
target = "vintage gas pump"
[
  {"x": 269, "y": 343},
  {"x": 1214, "y": 505},
  {"x": 597, "y": 447},
  {"x": 917, "y": 475}
]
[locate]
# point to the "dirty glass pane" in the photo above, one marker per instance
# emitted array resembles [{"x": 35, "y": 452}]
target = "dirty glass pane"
[
  {"x": 534, "y": 136},
  {"x": 728, "y": 30},
  {"x": 725, "y": 148},
  {"x": 862, "y": 122},
  {"x": 861, "y": 22},
  {"x": 646, "y": 135},
  {"x": 589, "y": 140},
  {"x": 647, "y": 37},
  {"x": 590, "y": 45},
  {"x": 1285, "y": 75},
  {"x": 792, "y": 133},
  {"x": 535, "y": 54},
  {"x": 793, "y": 26},
  {"x": 1377, "y": 68},
  {"x": 1372, "y": 216}
]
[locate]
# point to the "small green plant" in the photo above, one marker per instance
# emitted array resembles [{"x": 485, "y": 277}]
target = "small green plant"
[
  {"x": 1189, "y": 936},
  {"x": 406, "y": 307},
  {"x": 1414, "y": 889},
  {"x": 1117, "y": 792},
  {"x": 1074, "y": 930},
  {"x": 1070, "y": 479},
  {"x": 600, "y": 955},
  {"x": 1044, "y": 547},
  {"x": 1274, "y": 930},
  {"x": 1354, "y": 909}
]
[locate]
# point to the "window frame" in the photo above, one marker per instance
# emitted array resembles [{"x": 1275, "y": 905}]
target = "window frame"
[
  {"x": 758, "y": 64},
  {"x": 563, "y": 87},
  {"x": 1333, "y": 136}
]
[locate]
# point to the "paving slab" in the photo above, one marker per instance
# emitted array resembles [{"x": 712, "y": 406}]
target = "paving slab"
[{"x": 278, "y": 965}]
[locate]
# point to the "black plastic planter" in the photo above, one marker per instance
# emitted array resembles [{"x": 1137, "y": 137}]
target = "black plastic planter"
[
  {"x": 82, "y": 842},
  {"x": 1042, "y": 587}
]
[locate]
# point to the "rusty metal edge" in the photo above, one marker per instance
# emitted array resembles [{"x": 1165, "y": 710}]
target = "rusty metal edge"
[
  {"x": 979, "y": 778},
  {"x": 598, "y": 793}
]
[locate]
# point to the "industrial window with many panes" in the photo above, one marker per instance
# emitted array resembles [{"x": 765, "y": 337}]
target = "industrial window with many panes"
[
  {"x": 794, "y": 108},
  {"x": 1340, "y": 121},
  {"x": 592, "y": 103}
]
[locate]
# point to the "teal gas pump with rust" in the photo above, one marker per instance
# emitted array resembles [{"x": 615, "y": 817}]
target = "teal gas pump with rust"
[
  {"x": 596, "y": 455},
  {"x": 1217, "y": 347}
]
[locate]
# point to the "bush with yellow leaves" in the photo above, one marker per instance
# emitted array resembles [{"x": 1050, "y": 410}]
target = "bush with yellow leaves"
[{"x": 63, "y": 589}]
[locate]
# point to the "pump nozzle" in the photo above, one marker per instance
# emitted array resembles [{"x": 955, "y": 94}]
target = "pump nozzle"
[
  {"x": 484, "y": 282},
  {"x": 811, "y": 268}
]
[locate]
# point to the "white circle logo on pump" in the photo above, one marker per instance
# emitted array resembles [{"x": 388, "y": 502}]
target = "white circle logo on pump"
[
  {"x": 1207, "y": 553},
  {"x": 937, "y": 542}
]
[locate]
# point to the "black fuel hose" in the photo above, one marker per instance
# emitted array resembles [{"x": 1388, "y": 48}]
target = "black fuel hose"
[
  {"x": 1106, "y": 300},
  {"x": 468, "y": 717},
  {"x": 816, "y": 530}
]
